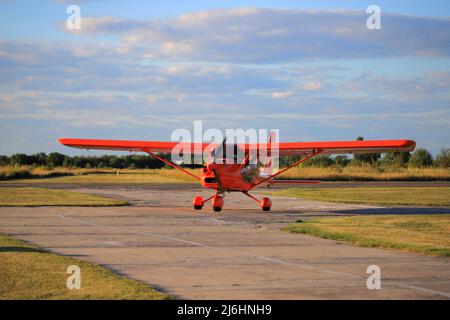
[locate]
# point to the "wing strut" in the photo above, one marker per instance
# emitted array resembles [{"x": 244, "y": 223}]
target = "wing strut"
[
  {"x": 287, "y": 168},
  {"x": 170, "y": 163}
]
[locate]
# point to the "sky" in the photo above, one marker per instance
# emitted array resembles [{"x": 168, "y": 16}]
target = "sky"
[{"x": 141, "y": 69}]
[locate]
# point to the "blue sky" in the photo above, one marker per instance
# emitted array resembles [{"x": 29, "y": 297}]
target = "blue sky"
[{"x": 140, "y": 69}]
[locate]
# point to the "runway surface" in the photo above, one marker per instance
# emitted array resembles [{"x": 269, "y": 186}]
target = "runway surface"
[{"x": 239, "y": 253}]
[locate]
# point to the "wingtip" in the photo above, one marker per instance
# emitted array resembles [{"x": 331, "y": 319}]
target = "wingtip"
[
  {"x": 63, "y": 141},
  {"x": 410, "y": 144}
]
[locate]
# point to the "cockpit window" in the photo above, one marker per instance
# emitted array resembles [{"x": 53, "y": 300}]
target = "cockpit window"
[{"x": 222, "y": 154}]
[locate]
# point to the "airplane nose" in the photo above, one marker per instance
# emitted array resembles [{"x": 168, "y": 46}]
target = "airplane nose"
[{"x": 208, "y": 175}]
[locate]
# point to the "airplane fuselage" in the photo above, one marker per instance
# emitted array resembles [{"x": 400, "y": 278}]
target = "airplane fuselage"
[{"x": 229, "y": 177}]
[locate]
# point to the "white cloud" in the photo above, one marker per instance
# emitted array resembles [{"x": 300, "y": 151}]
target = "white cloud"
[
  {"x": 158, "y": 75},
  {"x": 313, "y": 85},
  {"x": 276, "y": 35},
  {"x": 281, "y": 94}
]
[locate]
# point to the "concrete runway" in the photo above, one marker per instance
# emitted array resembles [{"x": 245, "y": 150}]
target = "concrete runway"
[{"x": 239, "y": 253}]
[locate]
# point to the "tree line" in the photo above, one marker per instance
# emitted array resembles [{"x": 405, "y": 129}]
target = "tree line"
[
  {"x": 56, "y": 159},
  {"x": 420, "y": 158}
]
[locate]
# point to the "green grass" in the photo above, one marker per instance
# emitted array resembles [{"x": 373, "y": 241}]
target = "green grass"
[
  {"x": 33, "y": 197},
  {"x": 425, "y": 234},
  {"x": 27, "y": 272},
  {"x": 420, "y": 196}
]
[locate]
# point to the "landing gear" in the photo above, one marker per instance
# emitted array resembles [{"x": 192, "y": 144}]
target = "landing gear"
[
  {"x": 265, "y": 203},
  {"x": 198, "y": 203},
  {"x": 217, "y": 203}
]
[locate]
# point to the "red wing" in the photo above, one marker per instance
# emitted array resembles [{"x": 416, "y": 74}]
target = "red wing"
[
  {"x": 129, "y": 145},
  {"x": 342, "y": 147},
  {"x": 285, "y": 148}
]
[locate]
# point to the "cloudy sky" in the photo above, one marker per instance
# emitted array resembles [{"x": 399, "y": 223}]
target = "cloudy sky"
[{"x": 140, "y": 69}]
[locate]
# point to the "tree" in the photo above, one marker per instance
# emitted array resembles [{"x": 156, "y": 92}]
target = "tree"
[
  {"x": 21, "y": 159},
  {"x": 286, "y": 161},
  {"x": 40, "y": 159},
  {"x": 396, "y": 159},
  {"x": 371, "y": 158},
  {"x": 341, "y": 160},
  {"x": 4, "y": 160},
  {"x": 117, "y": 162},
  {"x": 443, "y": 158},
  {"x": 55, "y": 159},
  {"x": 67, "y": 162},
  {"x": 421, "y": 158},
  {"x": 320, "y": 161}
]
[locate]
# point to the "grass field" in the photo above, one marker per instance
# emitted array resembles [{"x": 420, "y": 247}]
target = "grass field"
[
  {"x": 32, "y": 197},
  {"x": 137, "y": 176},
  {"x": 425, "y": 234},
  {"x": 94, "y": 176},
  {"x": 367, "y": 173},
  {"x": 26, "y": 272},
  {"x": 421, "y": 196}
]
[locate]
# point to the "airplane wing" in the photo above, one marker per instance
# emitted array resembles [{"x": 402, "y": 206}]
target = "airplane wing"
[
  {"x": 285, "y": 148},
  {"x": 130, "y": 145},
  {"x": 345, "y": 147},
  {"x": 311, "y": 149}
]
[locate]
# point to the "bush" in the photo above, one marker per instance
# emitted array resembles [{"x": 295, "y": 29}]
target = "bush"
[
  {"x": 396, "y": 159},
  {"x": 370, "y": 158},
  {"x": 14, "y": 173},
  {"x": 443, "y": 158},
  {"x": 341, "y": 160},
  {"x": 55, "y": 159},
  {"x": 421, "y": 158},
  {"x": 21, "y": 159},
  {"x": 320, "y": 161}
]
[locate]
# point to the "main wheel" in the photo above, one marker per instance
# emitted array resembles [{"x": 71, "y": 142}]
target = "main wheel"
[
  {"x": 217, "y": 203},
  {"x": 266, "y": 204},
  {"x": 198, "y": 203}
]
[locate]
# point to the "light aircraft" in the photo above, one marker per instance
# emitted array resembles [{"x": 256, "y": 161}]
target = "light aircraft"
[{"x": 223, "y": 176}]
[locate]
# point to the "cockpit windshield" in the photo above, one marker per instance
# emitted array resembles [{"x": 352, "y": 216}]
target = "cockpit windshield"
[{"x": 227, "y": 154}]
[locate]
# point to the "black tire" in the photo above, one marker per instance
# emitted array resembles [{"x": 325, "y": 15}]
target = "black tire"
[
  {"x": 217, "y": 209},
  {"x": 198, "y": 207},
  {"x": 266, "y": 208}
]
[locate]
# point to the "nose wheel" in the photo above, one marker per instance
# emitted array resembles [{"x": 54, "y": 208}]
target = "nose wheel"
[{"x": 217, "y": 203}]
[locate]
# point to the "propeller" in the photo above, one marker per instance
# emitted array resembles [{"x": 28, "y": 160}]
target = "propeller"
[
  {"x": 219, "y": 182},
  {"x": 219, "y": 149}
]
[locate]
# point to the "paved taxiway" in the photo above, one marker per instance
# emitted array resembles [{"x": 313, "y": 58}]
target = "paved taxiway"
[{"x": 239, "y": 253}]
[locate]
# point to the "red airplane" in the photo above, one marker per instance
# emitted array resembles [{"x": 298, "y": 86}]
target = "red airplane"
[{"x": 223, "y": 176}]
